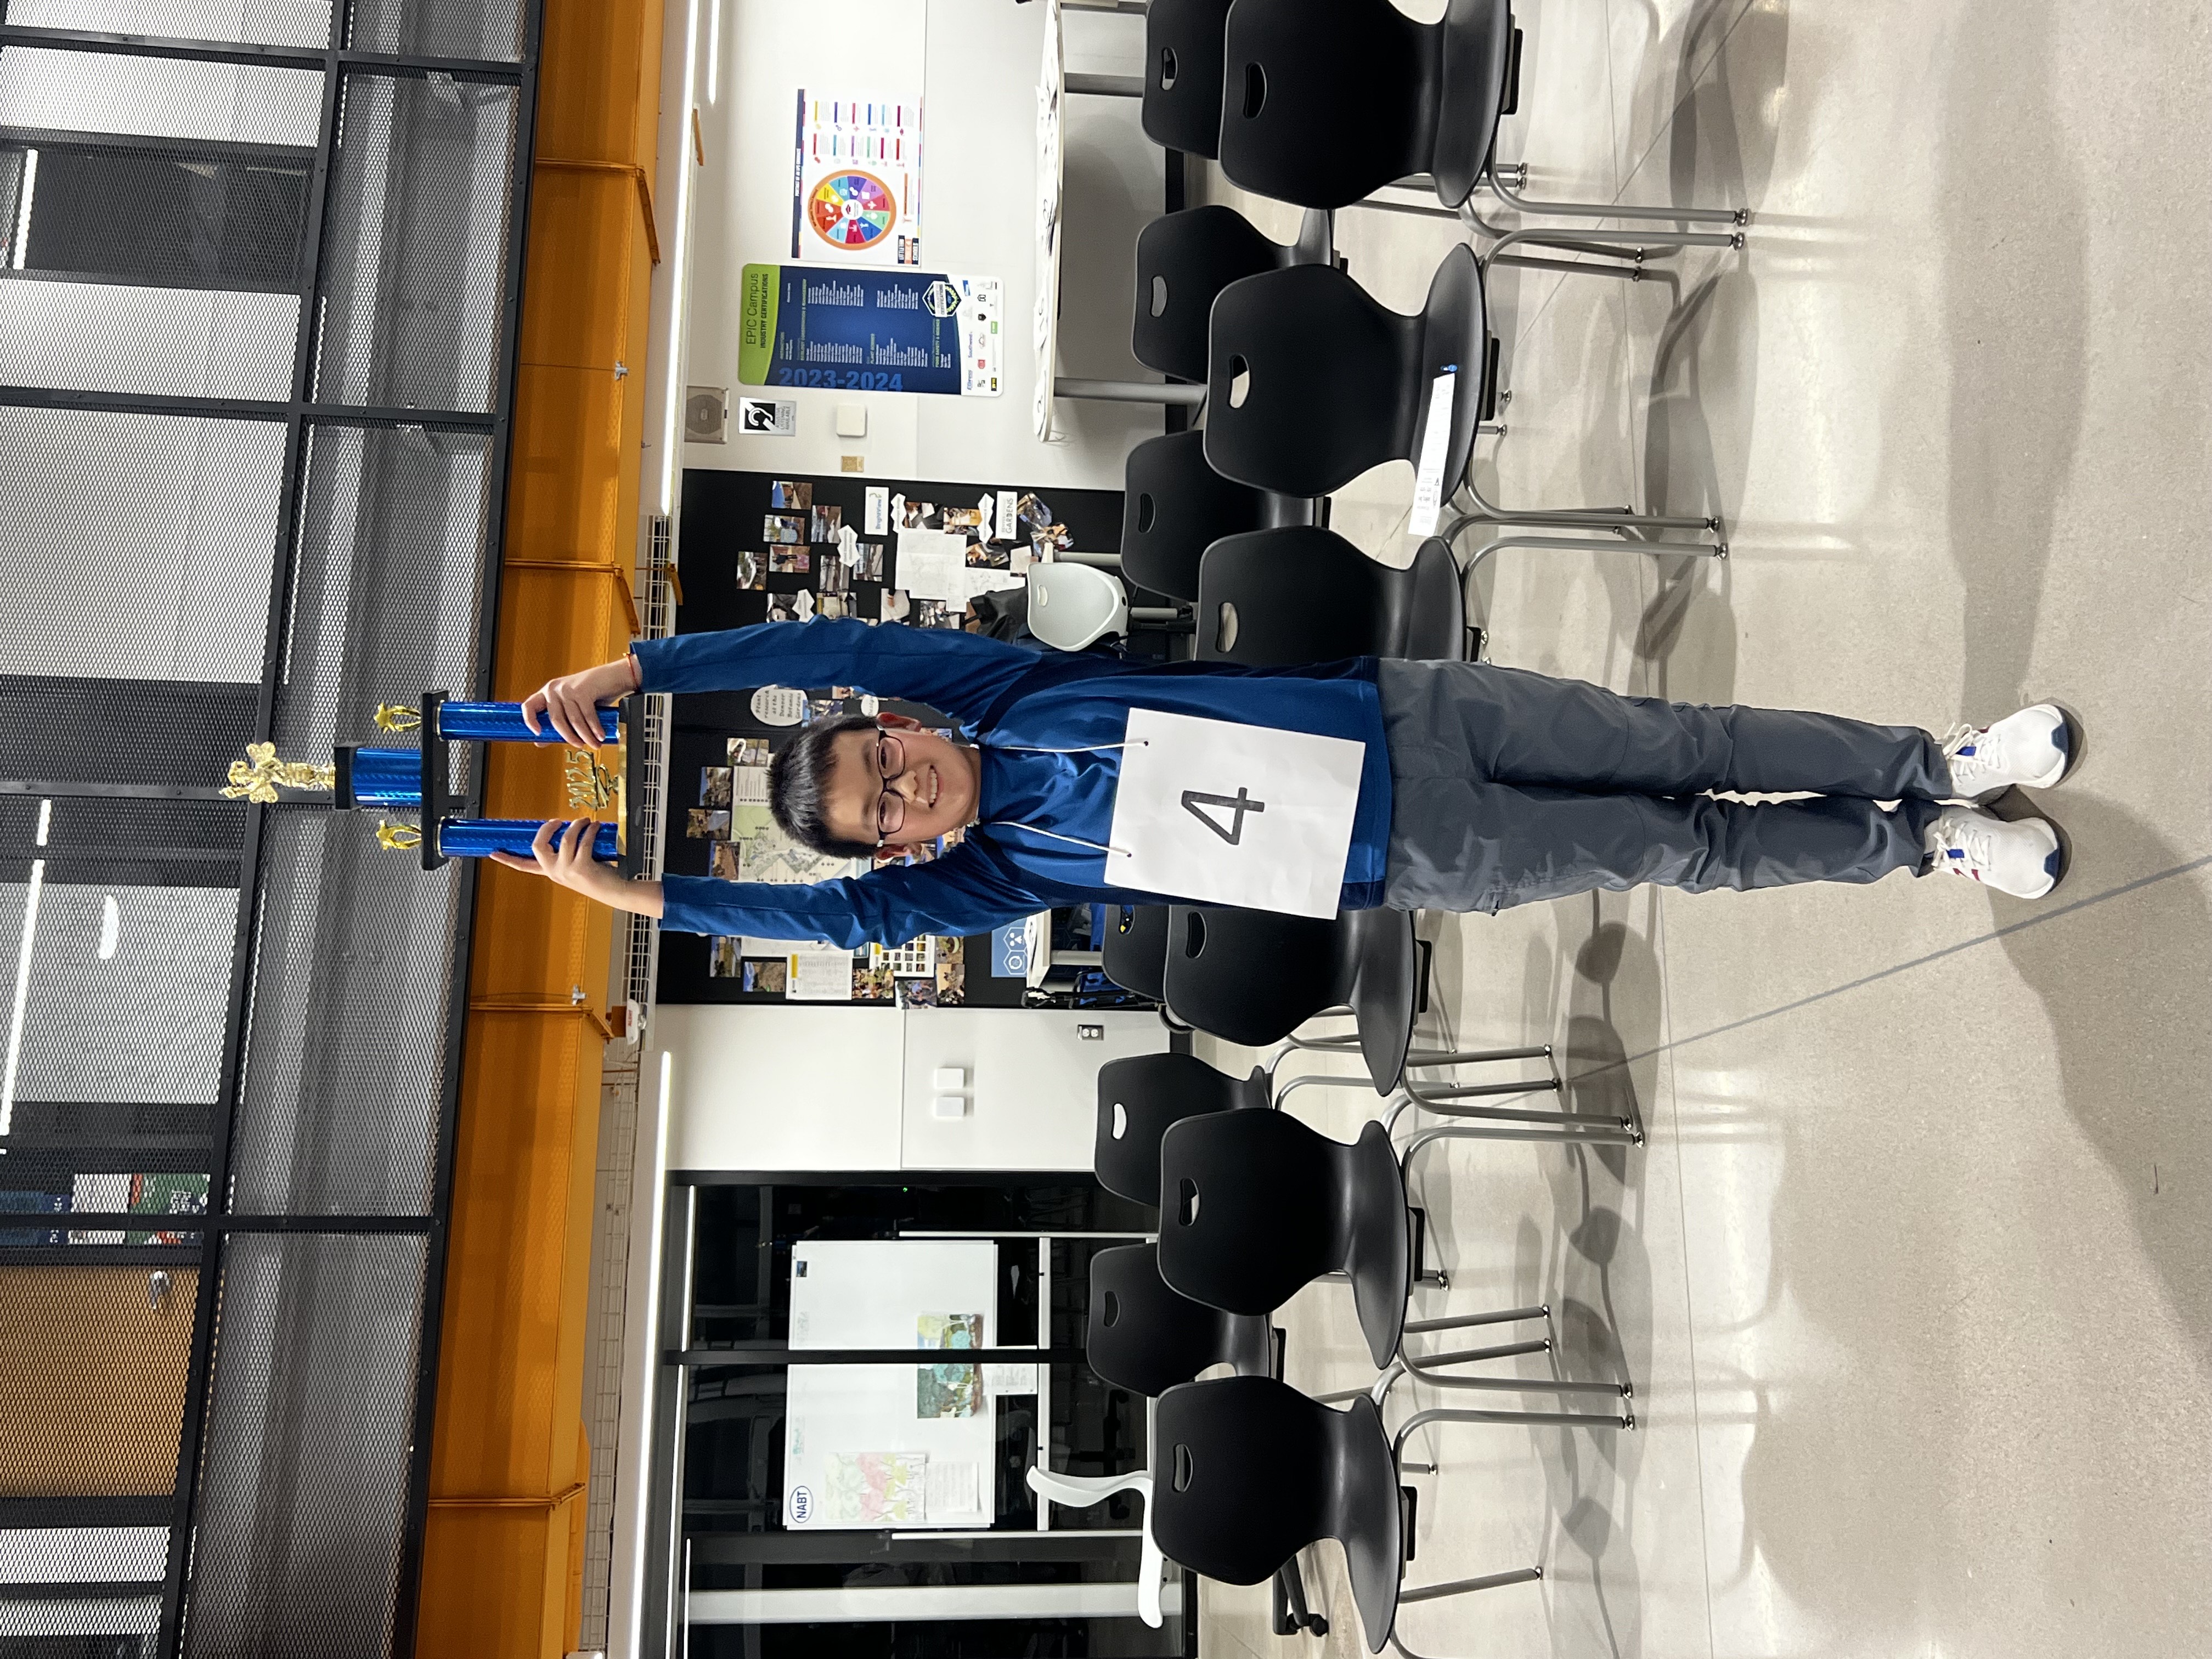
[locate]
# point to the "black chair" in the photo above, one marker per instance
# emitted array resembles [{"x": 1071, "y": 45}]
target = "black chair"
[
  {"x": 1183, "y": 262},
  {"x": 1174, "y": 507},
  {"x": 1146, "y": 1337},
  {"x": 1274, "y": 597},
  {"x": 1324, "y": 101},
  {"x": 1135, "y": 953},
  {"x": 1140, "y": 1097},
  {"x": 1255, "y": 1205},
  {"x": 1183, "y": 53},
  {"x": 1247, "y": 1472},
  {"x": 1287, "y": 412},
  {"x": 1255, "y": 976},
  {"x": 1310, "y": 381}
]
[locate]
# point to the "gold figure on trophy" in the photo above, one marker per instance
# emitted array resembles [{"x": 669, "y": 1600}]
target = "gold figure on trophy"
[
  {"x": 590, "y": 784},
  {"x": 398, "y": 717},
  {"x": 398, "y": 837},
  {"x": 258, "y": 776}
]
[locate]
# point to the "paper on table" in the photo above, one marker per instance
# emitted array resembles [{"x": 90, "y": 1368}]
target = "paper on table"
[
  {"x": 750, "y": 946},
  {"x": 1428, "y": 471},
  {"x": 819, "y": 977},
  {"x": 949, "y": 1490},
  {"x": 932, "y": 564},
  {"x": 1010, "y": 1379}
]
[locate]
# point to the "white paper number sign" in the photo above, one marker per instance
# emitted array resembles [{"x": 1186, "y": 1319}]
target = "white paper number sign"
[
  {"x": 1224, "y": 813},
  {"x": 1428, "y": 472}
]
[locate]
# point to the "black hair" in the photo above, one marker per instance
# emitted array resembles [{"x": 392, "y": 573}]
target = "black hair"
[{"x": 798, "y": 779}]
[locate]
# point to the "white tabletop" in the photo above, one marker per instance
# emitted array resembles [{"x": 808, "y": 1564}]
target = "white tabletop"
[{"x": 1051, "y": 88}]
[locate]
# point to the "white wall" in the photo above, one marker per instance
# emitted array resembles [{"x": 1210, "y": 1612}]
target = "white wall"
[
  {"x": 978, "y": 64},
  {"x": 810, "y": 1086},
  {"x": 805, "y": 1086}
]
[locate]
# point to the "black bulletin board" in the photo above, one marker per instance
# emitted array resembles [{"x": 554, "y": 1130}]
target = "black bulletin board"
[
  {"x": 723, "y": 517},
  {"x": 723, "y": 514}
]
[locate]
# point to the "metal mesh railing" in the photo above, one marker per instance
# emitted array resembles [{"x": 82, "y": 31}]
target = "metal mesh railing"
[
  {"x": 302, "y": 1517},
  {"x": 259, "y": 290},
  {"x": 411, "y": 281}
]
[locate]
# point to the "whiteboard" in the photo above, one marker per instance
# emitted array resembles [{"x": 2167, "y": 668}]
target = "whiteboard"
[{"x": 873, "y": 1292}]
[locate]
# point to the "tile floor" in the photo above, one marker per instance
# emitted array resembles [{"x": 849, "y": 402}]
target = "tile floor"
[{"x": 1916, "y": 1266}]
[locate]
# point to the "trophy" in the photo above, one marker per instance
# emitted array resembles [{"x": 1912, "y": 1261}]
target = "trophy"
[{"x": 372, "y": 778}]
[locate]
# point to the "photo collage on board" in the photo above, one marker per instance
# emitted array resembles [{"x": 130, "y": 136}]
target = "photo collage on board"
[
  {"x": 813, "y": 560},
  {"x": 743, "y": 843}
]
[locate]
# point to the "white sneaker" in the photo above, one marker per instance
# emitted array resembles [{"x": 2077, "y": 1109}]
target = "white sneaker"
[
  {"x": 2023, "y": 858},
  {"x": 2032, "y": 749}
]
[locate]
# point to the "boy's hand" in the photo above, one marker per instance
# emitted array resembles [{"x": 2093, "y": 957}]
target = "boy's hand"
[
  {"x": 571, "y": 703},
  {"x": 571, "y": 864}
]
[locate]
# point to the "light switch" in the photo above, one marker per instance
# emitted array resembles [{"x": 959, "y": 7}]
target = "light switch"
[
  {"x": 950, "y": 1077},
  {"x": 852, "y": 420},
  {"x": 949, "y": 1106}
]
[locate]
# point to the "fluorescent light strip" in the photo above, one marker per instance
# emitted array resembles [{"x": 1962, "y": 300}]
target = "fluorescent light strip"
[
  {"x": 715, "y": 55},
  {"x": 23, "y": 204},
  {"x": 45, "y": 818},
  {"x": 672, "y": 446},
  {"x": 22, "y": 993}
]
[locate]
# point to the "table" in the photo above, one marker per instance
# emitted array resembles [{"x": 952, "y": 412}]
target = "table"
[{"x": 1054, "y": 85}]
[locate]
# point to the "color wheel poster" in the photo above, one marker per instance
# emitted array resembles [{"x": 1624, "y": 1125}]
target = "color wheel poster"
[
  {"x": 870, "y": 330},
  {"x": 856, "y": 180}
]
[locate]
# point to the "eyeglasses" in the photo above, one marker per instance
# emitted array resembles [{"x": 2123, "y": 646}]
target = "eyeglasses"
[{"x": 890, "y": 808}]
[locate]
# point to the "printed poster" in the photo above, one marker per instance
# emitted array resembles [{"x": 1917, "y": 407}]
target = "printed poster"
[
  {"x": 870, "y": 331},
  {"x": 856, "y": 180}
]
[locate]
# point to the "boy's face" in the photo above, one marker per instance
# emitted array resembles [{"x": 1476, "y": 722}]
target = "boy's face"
[{"x": 899, "y": 783}]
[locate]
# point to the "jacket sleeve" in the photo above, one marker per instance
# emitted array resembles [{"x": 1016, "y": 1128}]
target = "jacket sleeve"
[
  {"x": 958, "y": 673},
  {"x": 958, "y": 894}
]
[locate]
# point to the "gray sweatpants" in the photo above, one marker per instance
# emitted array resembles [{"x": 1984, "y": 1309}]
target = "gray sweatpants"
[{"x": 1509, "y": 787}]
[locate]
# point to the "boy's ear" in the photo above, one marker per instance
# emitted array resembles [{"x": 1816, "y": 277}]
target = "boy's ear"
[
  {"x": 891, "y": 722},
  {"x": 889, "y": 853}
]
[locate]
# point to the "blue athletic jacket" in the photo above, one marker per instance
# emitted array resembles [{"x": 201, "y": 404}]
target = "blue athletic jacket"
[{"x": 1007, "y": 700}]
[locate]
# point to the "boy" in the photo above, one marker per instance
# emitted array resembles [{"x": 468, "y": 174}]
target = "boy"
[{"x": 1478, "y": 786}]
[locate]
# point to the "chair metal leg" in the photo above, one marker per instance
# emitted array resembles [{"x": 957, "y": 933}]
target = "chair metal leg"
[
  {"x": 1464, "y": 1586},
  {"x": 1520, "y": 1384},
  {"x": 1621, "y": 1419},
  {"x": 1623, "y": 544},
  {"x": 1129, "y": 392},
  {"x": 1427, "y": 1057},
  {"x": 1587, "y": 518},
  {"x": 1455, "y": 1587},
  {"x": 1463, "y": 1321},
  {"x": 1512, "y": 196}
]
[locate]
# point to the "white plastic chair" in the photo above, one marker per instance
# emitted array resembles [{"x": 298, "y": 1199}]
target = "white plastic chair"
[
  {"x": 1073, "y": 606},
  {"x": 1081, "y": 1492}
]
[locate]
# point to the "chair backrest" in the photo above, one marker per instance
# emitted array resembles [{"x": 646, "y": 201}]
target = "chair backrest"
[
  {"x": 1254, "y": 1206},
  {"x": 1247, "y": 1471},
  {"x": 1324, "y": 101},
  {"x": 1073, "y": 606},
  {"x": 1135, "y": 953},
  {"x": 1140, "y": 1097},
  {"x": 1251, "y": 976},
  {"x": 1183, "y": 261},
  {"x": 1381, "y": 951},
  {"x": 1182, "y": 74},
  {"x": 1174, "y": 507},
  {"x": 1144, "y": 1336},
  {"x": 1309, "y": 381},
  {"x": 1274, "y": 597},
  {"x": 1473, "y": 58},
  {"x": 1298, "y": 594}
]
